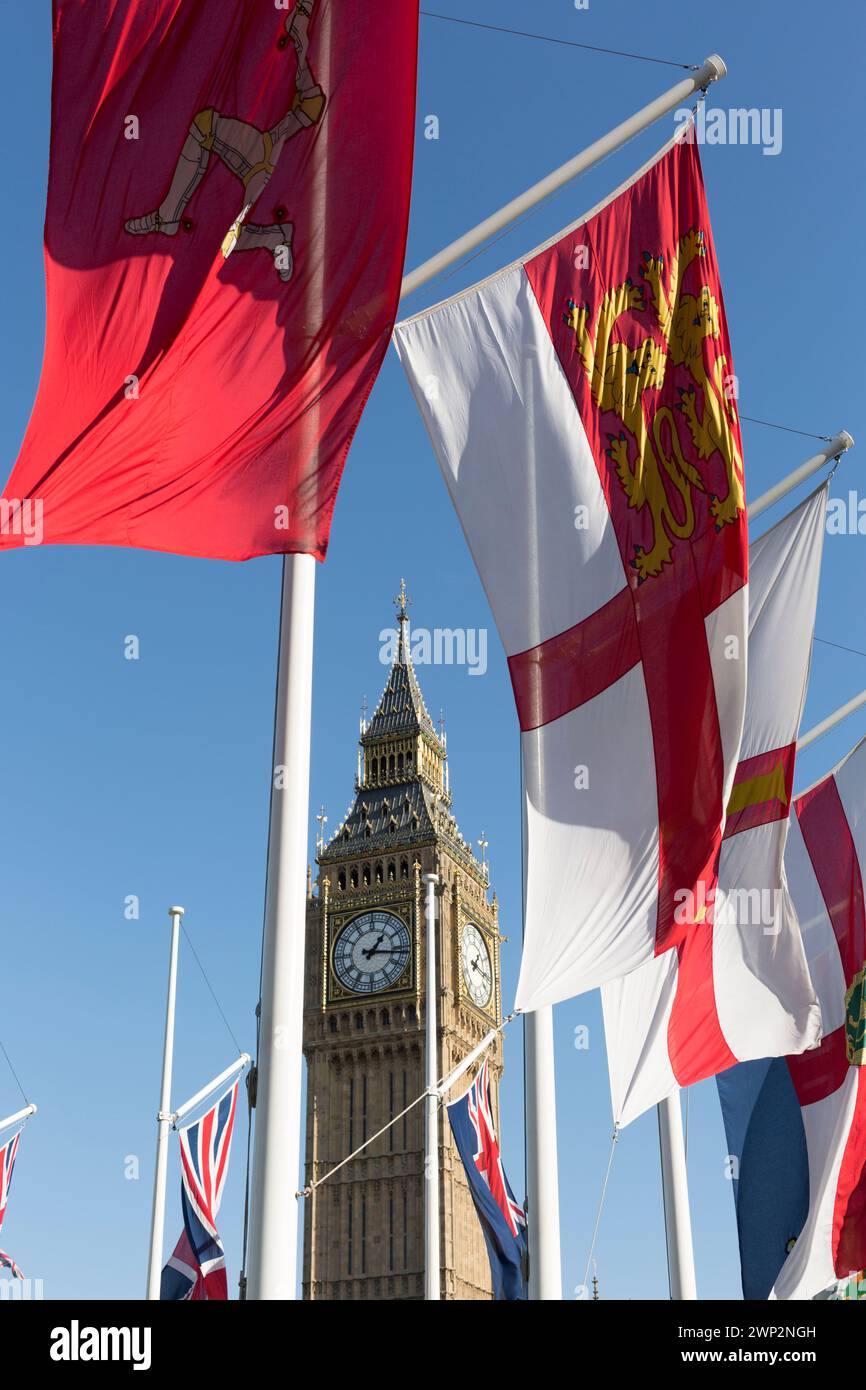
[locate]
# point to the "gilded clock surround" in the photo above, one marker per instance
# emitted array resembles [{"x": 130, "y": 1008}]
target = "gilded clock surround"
[
  {"x": 363, "y": 1235},
  {"x": 340, "y": 921}
]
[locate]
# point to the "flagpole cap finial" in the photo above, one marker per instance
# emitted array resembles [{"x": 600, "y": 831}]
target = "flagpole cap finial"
[
  {"x": 713, "y": 68},
  {"x": 176, "y": 911},
  {"x": 845, "y": 439}
]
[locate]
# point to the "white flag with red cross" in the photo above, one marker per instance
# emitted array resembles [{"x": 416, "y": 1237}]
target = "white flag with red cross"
[
  {"x": 797, "y": 1125},
  {"x": 738, "y": 987},
  {"x": 582, "y": 406}
]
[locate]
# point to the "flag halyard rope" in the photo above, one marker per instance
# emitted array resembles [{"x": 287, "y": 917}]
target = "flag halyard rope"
[
  {"x": 613, "y": 1144},
  {"x": 565, "y": 43},
  {"x": 825, "y": 642},
  {"x": 787, "y": 429},
  {"x": 210, "y": 987},
  {"x": 437, "y": 1090},
  {"x": 14, "y": 1073}
]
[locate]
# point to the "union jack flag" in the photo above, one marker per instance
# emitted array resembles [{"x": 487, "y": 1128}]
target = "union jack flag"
[
  {"x": 503, "y": 1220},
  {"x": 7, "y": 1262},
  {"x": 196, "y": 1269},
  {"x": 7, "y": 1163}
]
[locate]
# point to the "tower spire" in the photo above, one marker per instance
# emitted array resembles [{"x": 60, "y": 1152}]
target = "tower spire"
[{"x": 402, "y": 604}]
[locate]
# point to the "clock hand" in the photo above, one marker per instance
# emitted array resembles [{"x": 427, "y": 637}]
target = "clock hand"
[{"x": 374, "y": 950}]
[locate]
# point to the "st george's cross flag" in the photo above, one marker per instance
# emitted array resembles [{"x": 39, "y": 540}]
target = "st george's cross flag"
[
  {"x": 738, "y": 986},
  {"x": 503, "y": 1220},
  {"x": 581, "y": 404},
  {"x": 796, "y": 1126},
  {"x": 8, "y": 1155},
  {"x": 196, "y": 1270},
  {"x": 224, "y": 238}
]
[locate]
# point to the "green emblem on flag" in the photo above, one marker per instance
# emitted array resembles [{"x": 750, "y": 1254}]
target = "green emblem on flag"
[{"x": 855, "y": 1021}]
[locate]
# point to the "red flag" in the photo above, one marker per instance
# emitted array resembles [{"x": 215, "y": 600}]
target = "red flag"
[{"x": 224, "y": 240}]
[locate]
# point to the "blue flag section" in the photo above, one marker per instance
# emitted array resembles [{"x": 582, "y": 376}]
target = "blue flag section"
[
  {"x": 503, "y": 1221},
  {"x": 766, "y": 1138}
]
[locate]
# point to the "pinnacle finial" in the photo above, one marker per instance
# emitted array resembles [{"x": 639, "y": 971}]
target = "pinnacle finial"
[
  {"x": 320, "y": 838},
  {"x": 484, "y": 843},
  {"x": 402, "y": 603}
]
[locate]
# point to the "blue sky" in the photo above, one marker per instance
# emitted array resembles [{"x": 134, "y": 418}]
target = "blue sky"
[{"x": 151, "y": 777}]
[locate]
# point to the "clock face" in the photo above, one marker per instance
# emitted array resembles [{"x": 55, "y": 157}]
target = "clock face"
[
  {"x": 477, "y": 970},
  {"x": 372, "y": 952}
]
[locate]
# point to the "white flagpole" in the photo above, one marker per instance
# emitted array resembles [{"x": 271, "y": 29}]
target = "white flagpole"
[
  {"x": 164, "y": 1117},
  {"x": 836, "y": 446},
  {"x": 271, "y": 1262},
  {"x": 431, "y": 1106},
  {"x": 444, "y": 1086},
  {"x": 19, "y": 1115},
  {"x": 542, "y": 1169},
  {"x": 193, "y": 1101},
  {"x": 824, "y": 725},
  {"x": 675, "y": 1187},
  {"x": 710, "y": 70},
  {"x": 273, "y": 1238}
]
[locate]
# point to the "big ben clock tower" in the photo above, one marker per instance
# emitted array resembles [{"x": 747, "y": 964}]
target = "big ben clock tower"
[{"x": 364, "y": 1013}]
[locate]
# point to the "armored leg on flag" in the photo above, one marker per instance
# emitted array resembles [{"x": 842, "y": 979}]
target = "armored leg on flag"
[{"x": 203, "y": 402}]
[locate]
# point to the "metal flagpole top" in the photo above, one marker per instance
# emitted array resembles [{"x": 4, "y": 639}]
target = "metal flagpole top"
[
  {"x": 833, "y": 449},
  {"x": 225, "y": 1075},
  {"x": 176, "y": 911},
  {"x": 711, "y": 70},
  {"x": 825, "y": 725},
  {"x": 25, "y": 1114}
]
